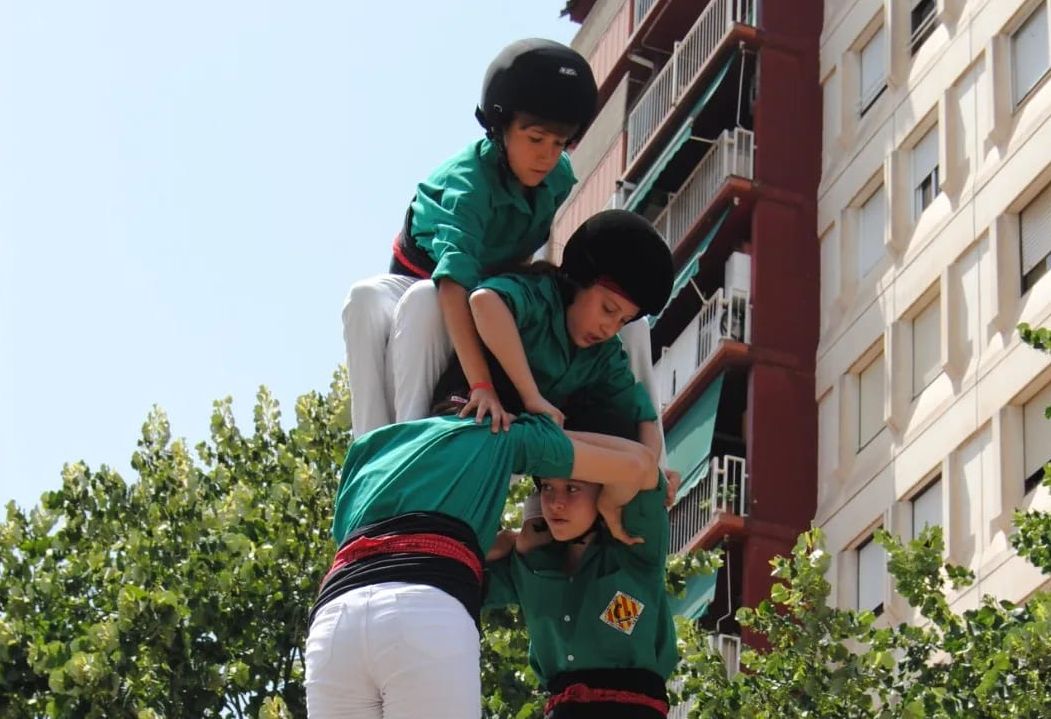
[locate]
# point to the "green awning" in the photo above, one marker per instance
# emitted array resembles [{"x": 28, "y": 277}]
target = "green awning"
[
  {"x": 699, "y": 593},
  {"x": 692, "y": 265},
  {"x": 644, "y": 185},
  {"x": 689, "y": 444}
]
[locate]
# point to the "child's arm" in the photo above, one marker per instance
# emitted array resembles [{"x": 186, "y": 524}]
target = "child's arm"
[
  {"x": 497, "y": 329},
  {"x": 452, "y": 298},
  {"x": 650, "y": 436},
  {"x": 621, "y": 466}
]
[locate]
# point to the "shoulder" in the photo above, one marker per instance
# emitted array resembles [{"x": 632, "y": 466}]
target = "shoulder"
[
  {"x": 470, "y": 169},
  {"x": 561, "y": 179}
]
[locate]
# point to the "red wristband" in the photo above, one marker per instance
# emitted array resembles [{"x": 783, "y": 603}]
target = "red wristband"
[{"x": 481, "y": 385}]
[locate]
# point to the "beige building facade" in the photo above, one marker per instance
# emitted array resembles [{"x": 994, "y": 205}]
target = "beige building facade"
[{"x": 934, "y": 218}]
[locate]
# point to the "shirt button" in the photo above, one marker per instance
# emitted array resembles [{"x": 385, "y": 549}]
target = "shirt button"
[
  {"x": 565, "y": 618},
  {"x": 570, "y": 657}
]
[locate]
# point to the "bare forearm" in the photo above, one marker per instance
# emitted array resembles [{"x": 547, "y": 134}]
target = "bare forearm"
[
  {"x": 452, "y": 298},
  {"x": 613, "y": 461},
  {"x": 497, "y": 329}
]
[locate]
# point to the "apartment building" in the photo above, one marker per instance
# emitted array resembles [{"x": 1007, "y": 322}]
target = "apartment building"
[
  {"x": 710, "y": 126},
  {"x": 934, "y": 219}
]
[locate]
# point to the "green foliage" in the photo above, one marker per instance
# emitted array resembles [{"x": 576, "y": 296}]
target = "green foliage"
[{"x": 185, "y": 592}]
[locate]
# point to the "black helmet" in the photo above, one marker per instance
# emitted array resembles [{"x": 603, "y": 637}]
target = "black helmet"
[
  {"x": 625, "y": 248},
  {"x": 543, "y": 78}
]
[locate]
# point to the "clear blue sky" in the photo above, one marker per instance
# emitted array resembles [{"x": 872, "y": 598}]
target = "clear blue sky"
[{"x": 188, "y": 189}]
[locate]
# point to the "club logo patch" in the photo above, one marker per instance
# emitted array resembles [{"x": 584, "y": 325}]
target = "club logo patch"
[{"x": 623, "y": 612}]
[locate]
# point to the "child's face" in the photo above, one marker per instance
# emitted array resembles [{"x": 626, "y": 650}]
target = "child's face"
[
  {"x": 532, "y": 150},
  {"x": 596, "y": 314},
  {"x": 569, "y": 506}
]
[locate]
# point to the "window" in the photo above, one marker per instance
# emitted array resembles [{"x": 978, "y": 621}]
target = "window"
[
  {"x": 873, "y": 70},
  {"x": 870, "y": 402},
  {"x": 871, "y": 219},
  {"x": 1030, "y": 57},
  {"x": 1035, "y": 237},
  {"x": 927, "y": 507},
  {"x": 872, "y": 564},
  {"x": 926, "y": 346},
  {"x": 1036, "y": 438},
  {"x": 925, "y": 172},
  {"x": 921, "y": 22}
]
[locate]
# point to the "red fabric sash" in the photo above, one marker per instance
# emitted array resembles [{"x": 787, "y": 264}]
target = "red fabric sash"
[
  {"x": 583, "y": 694},
  {"x": 401, "y": 257},
  {"x": 437, "y": 545}
]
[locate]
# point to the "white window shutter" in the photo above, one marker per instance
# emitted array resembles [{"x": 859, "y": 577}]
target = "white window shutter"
[
  {"x": 872, "y": 564},
  {"x": 1037, "y": 432},
  {"x": 927, "y": 508},
  {"x": 925, "y": 156},
  {"x": 873, "y": 67},
  {"x": 1030, "y": 56},
  {"x": 870, "y": 401},
  {"x": 1036, "y": 230},
  {"x": 871, "y": 222},
  {"x": 926, "y": 346}
]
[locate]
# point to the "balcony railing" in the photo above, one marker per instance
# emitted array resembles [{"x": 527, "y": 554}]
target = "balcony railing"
[
  {"x": 689, "y": 57},
  {"x": 642, "y": 9},
  {"x": 723, "y": 491},
  {"x": 733, "y": 153},
  {"x": 723, "y": 316}
]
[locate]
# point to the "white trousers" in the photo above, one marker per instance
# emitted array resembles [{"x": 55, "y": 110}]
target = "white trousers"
[
  {"x": 393, "y": 651},
  {"x": 397, "y": 348}
]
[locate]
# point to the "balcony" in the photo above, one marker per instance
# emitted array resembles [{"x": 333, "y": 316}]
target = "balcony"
[
  {"x": 690, "y": 57},
  {"x": 720, "y": 497},
  {"x": 723, "y": 316},
  {"x": 732, "y": 155},
  {"x": 641, "y": 10}
]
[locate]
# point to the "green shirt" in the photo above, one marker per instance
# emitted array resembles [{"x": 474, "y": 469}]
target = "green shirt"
[
  {"x": 448, "y": 465},
  {"x": 559, "y": 367},
  {"x": 612, "y": 613},
  {"x": 470, "y": 218}
]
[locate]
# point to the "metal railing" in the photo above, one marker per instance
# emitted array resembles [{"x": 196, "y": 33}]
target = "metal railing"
[
  {"x": 642, "y": 9},
  {"x": 732, "y": 153},
  {"x": 723, "y": 491},
  {"x": 723, "y": 316},
  {"x": 689, "y": 58}
]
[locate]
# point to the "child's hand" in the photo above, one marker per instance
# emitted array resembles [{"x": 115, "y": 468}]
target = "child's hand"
[
  {"x": 505, "y": 542},
  {"x": 534, "y": 534},
  {"x": 485, "y": 401},
  {"x": 674, "y": 480},
  {"x": 612, "y": 511},
  {"x": 539, "y": 405}
]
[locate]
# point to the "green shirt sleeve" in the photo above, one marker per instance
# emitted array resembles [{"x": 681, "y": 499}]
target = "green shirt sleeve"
[
  {"x": 615, "y": 383},
  {"x": 459, "y": 212},
  {"x": 647, "y": 517},
  {"x": 542, "y": 448},
  {"x": 500, "y": 590},
  {"x": 522, "y": 294}
]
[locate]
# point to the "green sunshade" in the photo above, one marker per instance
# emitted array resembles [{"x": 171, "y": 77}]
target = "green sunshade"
[
  {"x": 693, "y": 264},
  {"x": 646, "y": 183},
  {"x": 700, "y": 591},
  {"x": 689, "y": 443}
]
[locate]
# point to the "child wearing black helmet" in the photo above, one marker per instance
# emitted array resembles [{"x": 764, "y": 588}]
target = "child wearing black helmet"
[
  {"x": 554, "y": 334},
  {"x": 394, "y": 630},
  {"x": 489, "y": 206},
  {"x": 602, "y": 639}
]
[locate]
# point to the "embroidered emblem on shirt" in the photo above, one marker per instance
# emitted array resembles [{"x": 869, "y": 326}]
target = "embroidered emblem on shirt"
[{"x": 622, "y": 613}]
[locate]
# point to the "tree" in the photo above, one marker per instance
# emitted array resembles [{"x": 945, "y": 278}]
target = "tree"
[{"x": 184, "y": 593}]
